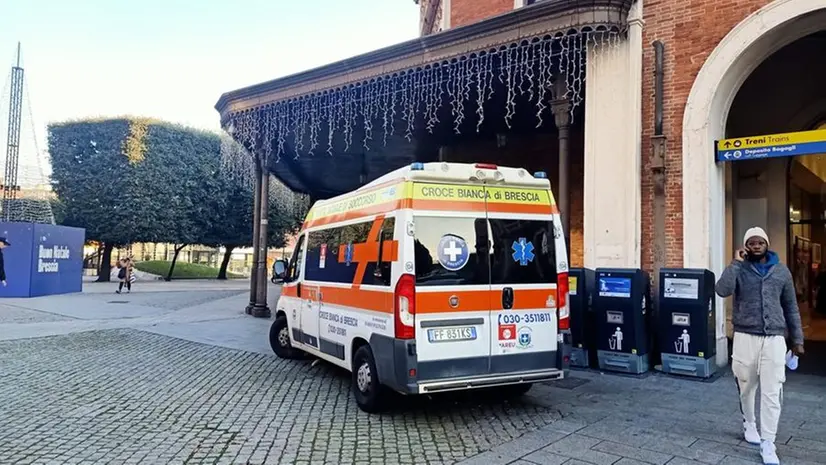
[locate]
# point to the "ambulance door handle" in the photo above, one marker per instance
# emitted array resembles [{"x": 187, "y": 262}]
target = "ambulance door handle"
[{"x": 507, "y": 298}]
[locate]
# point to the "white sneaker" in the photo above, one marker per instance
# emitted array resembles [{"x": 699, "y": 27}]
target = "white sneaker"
[
  {"x": 750, "y": 433},
  {"x": 769, "y": 453}
]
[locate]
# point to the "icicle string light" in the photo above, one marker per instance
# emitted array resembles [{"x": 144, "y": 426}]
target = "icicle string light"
[{"x": 527, "y": 71}]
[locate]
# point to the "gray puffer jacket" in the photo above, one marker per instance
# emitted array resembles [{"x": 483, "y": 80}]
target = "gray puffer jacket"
[{"x": 765, "y": 303}]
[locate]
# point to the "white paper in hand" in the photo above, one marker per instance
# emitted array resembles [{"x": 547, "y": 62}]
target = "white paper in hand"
[{"x": 791, "y": 360}]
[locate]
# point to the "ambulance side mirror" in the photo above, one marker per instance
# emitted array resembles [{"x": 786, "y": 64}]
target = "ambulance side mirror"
[{"x": 279, "y": 270}]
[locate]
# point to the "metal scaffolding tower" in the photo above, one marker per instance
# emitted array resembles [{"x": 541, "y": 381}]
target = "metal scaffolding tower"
[{"x": 10, "y": 186}]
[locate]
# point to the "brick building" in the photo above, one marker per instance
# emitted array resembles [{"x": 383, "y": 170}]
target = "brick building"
[{"x": 571, "y": 87}]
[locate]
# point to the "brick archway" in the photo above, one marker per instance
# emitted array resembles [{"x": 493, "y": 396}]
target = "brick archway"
[{"x": 754, "y": 39}]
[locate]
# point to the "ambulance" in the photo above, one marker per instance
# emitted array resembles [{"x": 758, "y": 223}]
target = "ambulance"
[{"x": 435, "y": 277}]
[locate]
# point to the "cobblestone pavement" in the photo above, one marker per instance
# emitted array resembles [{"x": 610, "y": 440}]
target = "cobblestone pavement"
[
  {"x": 130, "y": 396},
  {"x": 155, "y": 306},
  {"x": 17, "y": 315}
]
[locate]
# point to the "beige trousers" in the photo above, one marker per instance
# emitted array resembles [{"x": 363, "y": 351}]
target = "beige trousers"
[{"x": 760, "y": 361}]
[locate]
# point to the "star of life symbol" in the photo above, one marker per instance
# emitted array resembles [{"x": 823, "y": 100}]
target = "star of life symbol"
[
  {"x": 522, "y": 251},
  {"x": 348, "y": 254}
]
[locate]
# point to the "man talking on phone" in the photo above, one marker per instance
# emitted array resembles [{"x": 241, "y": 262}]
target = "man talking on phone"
[{"x": 765, "y": 307}]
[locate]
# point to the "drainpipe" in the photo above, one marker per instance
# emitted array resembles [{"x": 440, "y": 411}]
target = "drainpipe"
[{"x": 658, "y": 146}]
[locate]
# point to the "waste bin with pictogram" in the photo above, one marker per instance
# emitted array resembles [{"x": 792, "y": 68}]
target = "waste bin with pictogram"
[
  {"x": 622, "y": 302},
  {"x": 687, "y": 314}
]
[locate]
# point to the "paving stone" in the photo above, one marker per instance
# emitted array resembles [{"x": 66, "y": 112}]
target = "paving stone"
[
  {"x": 627, "y": 461},
  {"x": 579, "y": 447},
  {"x": 544, "y": 457},
  {"x": 729, "y": 451},
  {"x": 642, "y": 455},
  {"x": 566, "y": 426},
  {"x": 683, "y": 461},
  {"x": 684, "y": 453},
  {"x": 103, "y": 394},
  {"x": 130, "y": 393},
  {"x": 18, "y": 315},
  {"x": 809, "y": 444},
  {"x": 739, "y": 461}
]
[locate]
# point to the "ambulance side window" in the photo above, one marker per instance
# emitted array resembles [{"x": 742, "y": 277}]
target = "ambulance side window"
[
  {"x": 295, "y": 264},
  {"x": 331, "y": 253},
  {"x": 379, "y": 274}
]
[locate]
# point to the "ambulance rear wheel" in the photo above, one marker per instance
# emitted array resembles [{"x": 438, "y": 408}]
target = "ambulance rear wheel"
[
  {"x": 280, "y": 339},
  {"x": 370, "y": 395}
]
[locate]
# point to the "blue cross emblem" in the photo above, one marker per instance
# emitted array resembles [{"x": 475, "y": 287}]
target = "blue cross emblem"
[
  {"x": 348, "y": 254},
  {"x": 522, "y": 251},
  {"x": 452, "y": 252}
]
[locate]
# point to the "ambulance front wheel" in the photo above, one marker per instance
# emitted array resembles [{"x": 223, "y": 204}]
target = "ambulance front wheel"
[
  {"x": 280, "y": 339},
  {"x": 370, "y": 395}
]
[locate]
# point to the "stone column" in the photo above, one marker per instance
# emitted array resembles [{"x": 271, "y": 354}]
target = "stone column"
[
  {"x": 613, "y": 121},
  {"x": 261, "y": 309},
  {"x": 562, "y": 116},
  {"x": 256, "y": 220}
]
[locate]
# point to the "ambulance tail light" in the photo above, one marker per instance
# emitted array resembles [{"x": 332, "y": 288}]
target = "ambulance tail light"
[
  {"x": 562, "y": 301},
  {"x": 486, "y": 166},
  {"x": 404, "y": 299}
]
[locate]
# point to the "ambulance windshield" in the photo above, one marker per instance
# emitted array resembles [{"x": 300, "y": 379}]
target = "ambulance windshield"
[{"x": 478, "y": 251}]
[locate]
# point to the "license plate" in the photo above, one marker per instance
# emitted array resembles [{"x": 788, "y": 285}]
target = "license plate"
[{"x": 467, "y": 333}]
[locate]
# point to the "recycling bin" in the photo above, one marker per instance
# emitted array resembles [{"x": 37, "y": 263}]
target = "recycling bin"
[
  {"x": 622, "y": 309},
  {"x": 687, "y": 315},
  {"x": 581, "y": 286}
]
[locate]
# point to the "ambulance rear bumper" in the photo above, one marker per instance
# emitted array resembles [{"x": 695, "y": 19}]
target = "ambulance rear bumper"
[
  {"x": 476, "y": 382},
  {"x": 400, "y": 370}
]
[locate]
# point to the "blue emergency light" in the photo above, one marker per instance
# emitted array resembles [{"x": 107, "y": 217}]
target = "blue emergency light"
[
  {"x": 417, "y": 166},
  {"x": 540, "y": 175}
]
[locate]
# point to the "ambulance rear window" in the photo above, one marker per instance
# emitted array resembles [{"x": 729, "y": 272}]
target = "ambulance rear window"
[
  {"x": 480, "y": 251},
  {"x": 451, "y": 251},
  {"x": 523, "y": 252}
]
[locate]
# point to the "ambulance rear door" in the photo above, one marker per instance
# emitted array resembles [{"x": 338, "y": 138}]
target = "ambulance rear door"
[
  {"x": 523, "y": 280},
  {"x": 450, "y": 240}
]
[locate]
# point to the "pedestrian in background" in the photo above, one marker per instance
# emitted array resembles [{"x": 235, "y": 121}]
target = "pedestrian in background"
[
  {"x": 124, "y": 275},
  {"x": 765, "y": 308},
  {"x": 3, "y": 244}
]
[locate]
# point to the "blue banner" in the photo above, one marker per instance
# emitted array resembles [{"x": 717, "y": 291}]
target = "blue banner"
[
  {"x": 17, "y": 259},
  {"x": 42, "y": 259}
]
